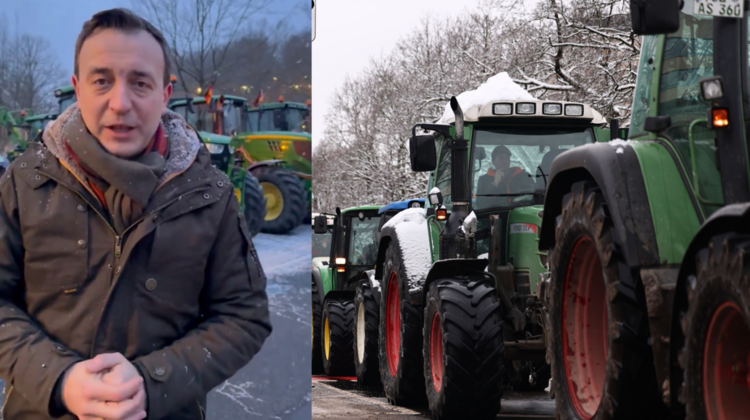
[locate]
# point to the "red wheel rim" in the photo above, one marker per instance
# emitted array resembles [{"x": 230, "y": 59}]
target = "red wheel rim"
[
  {"x": 726, "y": 358},
  {"x": 436, "y": 352},
  {"x": 393, "y": 324},
  {"x": 584, "y": 328}
]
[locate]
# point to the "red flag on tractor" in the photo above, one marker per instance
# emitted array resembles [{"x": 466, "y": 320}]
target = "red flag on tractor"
[
  {"x": 209, "y": 94},
  {"x": 258, "y": 99}
]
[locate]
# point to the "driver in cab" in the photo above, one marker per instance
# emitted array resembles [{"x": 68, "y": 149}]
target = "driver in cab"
[{"x": 496, "y": 187}]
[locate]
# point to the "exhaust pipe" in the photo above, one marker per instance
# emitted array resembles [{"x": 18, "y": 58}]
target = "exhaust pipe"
[{"x": 459, "y": 113}]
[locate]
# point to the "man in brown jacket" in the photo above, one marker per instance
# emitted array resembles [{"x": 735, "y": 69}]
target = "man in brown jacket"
[{"x": 129, "y": 286}]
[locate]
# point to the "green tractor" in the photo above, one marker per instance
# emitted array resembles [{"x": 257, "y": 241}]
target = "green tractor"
[
  {"x": 66, "y": 96},
  {"x": 278, "y": 132},
  {"x": 461, "y": 314},
  {"x": 12, "y": 134},
  {"x": 210, "y": 123},
  {"x": 648, "y": 298},
  {"x": 283, "y": 192},
  {"x": 354, "y": 236}
]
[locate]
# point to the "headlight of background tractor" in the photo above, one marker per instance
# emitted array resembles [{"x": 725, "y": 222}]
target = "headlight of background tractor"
[
  {"x": 552, "y": 109},
  {"x": 574, "y": 110},
  {"x": 525, "y": 109},
  {"x": 215, "y": 149}
]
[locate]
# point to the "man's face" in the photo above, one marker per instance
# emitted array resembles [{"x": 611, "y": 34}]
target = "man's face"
[
  {"x": 120, "y": 89},
  {"x": 502, "y": 161}
]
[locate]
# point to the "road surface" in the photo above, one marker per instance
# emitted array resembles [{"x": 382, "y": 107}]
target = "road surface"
[
  {"x": 274, "y": 385},
  {"x": 345, "y": 399}
]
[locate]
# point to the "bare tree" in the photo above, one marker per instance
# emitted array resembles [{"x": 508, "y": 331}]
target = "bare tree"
[{"x": 200, "y": 34}]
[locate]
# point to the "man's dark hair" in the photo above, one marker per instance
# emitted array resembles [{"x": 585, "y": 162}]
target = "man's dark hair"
[
  {"x": 126, "y": 21},
  {"x": 500, "y": 150}
]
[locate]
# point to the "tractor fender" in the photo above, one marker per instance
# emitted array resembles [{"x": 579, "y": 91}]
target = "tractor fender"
[
  {"x": 318, "y": 282},
  {"x": 458, "y": 270},
  {"x": 341, "y": 295},
  {"x": 265, "y": 163},
  {"x": 730, "y": 218},
  {"x": 617, "y": 172}
]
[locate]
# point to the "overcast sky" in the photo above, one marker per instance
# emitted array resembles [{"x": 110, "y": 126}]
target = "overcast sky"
[
  {"x": 350, "y": 33},
  {"x": 60, "y": 21}
]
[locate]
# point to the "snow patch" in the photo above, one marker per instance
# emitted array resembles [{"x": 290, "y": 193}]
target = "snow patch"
[
  {"x": 470, "y": 223},
  {"x": 499, "y": 87},
  {"x": 374, "y": 283},
  {"x": 620, "y": 150},
  {"x": 434, "y": 190},
  {"x": 619, "y": 144},
  {"x": 484, "y": 256},
  {"x": 410, "y": 226}
]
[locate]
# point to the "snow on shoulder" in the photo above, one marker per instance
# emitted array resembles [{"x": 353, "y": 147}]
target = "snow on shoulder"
[
  {"x": 410, "y": 226},
  {"x": 499, "y": 87}
]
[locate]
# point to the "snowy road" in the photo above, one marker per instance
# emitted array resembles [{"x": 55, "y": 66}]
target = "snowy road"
[
  {"x": 274, "y": 385},
  {"x": 342, "y": 400}
]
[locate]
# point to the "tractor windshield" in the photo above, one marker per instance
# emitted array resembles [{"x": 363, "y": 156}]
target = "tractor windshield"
[
  {"x": 363, "y": 239},
  {"x": 201, "y": 118},
  {"x": 233, "y": 118},
  {"x": 511, "y": 165},
  {"x": 279, "y": 119},
  {"x": 66, "y": 101}
]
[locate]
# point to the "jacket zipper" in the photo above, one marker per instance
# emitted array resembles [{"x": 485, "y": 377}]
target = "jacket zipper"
[
  {"x": 118, "y": 238},
  {"x": 7, "y": 397}
]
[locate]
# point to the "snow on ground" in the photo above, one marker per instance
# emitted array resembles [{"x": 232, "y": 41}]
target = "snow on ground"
[
  {"x": 499, "y": 87},
  {"x": 411, "y": 230}
]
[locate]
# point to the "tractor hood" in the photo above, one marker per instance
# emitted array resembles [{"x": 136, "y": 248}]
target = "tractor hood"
[{"x": 214, "y": 138}]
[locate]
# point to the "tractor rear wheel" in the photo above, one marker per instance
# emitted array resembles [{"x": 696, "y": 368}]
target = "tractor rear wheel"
[
  {"x": 255, "y": 204},
  {"x": 399, "y": 334},
  {"x": 463, "y": 350},
  {"x": 286, "y": 201},
  {"x": 366, "y": 318},
  {"x": 337, "y": 337},
  {"x": 317, "y": 315},
  {"x": 602, "y": 365},
  {"x": 716, "y": 356}
]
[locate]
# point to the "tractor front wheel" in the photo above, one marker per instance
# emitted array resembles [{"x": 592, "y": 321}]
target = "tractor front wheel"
[
  {"x": 286, "y": 201},
  {"x": 366, "y": 335},
  {"x": 716, "y": 356},
  {"x": 463, "y": 350},
  {"x": 601, "y": 360},
  {"x": 337, "y": 337},
  {"x": 255, "y": 204}
]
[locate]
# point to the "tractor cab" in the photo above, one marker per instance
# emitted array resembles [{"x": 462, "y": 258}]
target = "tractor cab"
[
  {"x": 321, "y": 243},
  {"x": 281, "y": 116},
  {"x": 66, "y": 96}
]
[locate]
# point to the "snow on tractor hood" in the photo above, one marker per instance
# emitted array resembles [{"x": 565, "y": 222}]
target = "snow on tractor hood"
[
  {"x": 410, "y": 227},
  {"x": 502, "y": 90}
]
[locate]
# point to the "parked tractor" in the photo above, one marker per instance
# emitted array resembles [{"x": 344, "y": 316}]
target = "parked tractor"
[
  {"x": 353, "y": 252},
  {"x": 210, "y": 124},
  {"x": 461, "y": 314},
  {"x": 648, "y": 298},
  {"x": 284, "y": 194}
]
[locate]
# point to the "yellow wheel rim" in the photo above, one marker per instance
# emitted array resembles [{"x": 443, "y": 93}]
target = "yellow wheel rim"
[
  {"x": 274, "y": 200},
  {"x": 327, "y": 340}
]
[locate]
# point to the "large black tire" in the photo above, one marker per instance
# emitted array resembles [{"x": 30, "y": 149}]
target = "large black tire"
[
  {"x": 317, "y": 316},
  {"x": 366, "y": 318},
  {"x": 606, "y": 361},
  {"x": 404, "y": 384},
  {"x": 718, "y": 322},
  {"x": 338, "y": 358},
  {"x": 293, "y": 197},
  {"x": 255, "y": 204},
  {"x": 463, "y": 350}
]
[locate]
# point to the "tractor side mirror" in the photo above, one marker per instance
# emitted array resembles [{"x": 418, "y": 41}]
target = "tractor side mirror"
[
  {"x": 422, "y": 153},
  {"x": 320, "y": 224},
  {"x": 655, "y": 17}
]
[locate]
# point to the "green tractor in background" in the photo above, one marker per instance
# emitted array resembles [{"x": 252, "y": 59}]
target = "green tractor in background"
[
  {"x": 281, "y": 131},
  {"x": 284, "y": 194},
  {"x": 648, "y": 299},
  {"x": 353, "y": 251},
  {"x": 210, "y": 124},
  {"x": 461, "y": 314}
]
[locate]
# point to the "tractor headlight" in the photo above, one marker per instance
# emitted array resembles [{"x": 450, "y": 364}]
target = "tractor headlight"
[
  {"x": 526, "y": 109},
  {"x": 502, "y": 109},
  {"x": 712, "y": 88},
  {"x": 552, "y": 109},
  {"x": 574, "y": 110},
  {"x": 215, "y": 149}
]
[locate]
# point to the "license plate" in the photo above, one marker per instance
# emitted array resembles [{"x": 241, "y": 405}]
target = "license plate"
[{"x": 720, "y": 8}]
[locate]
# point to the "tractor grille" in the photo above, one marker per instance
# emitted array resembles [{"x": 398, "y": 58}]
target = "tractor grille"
[{"x": 448, "y": 249}]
